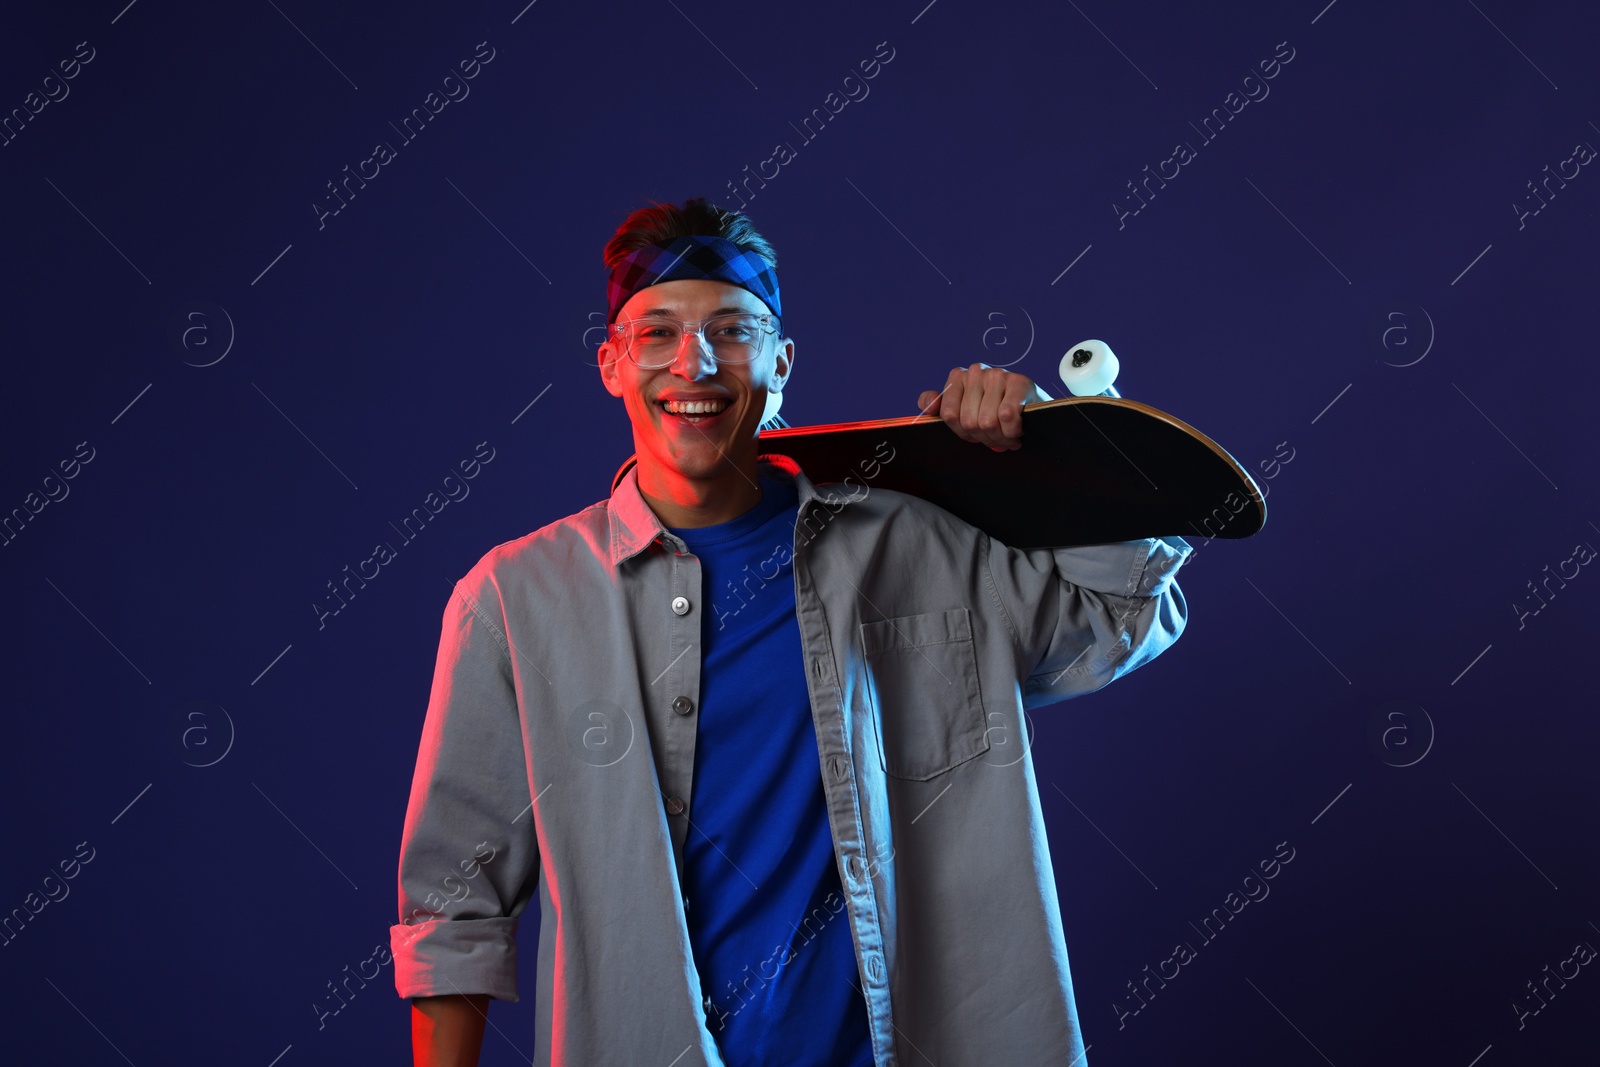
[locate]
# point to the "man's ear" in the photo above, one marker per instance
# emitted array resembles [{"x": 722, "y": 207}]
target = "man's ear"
[
  {"x": 784, "y": 365},
  {"x": 607, "y": 354}
]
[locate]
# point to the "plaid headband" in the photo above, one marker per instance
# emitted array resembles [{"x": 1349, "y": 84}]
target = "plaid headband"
[{"x": 715, "y": 258}]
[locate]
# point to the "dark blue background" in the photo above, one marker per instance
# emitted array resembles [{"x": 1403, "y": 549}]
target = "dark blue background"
[{"x": 929, "y": 225}]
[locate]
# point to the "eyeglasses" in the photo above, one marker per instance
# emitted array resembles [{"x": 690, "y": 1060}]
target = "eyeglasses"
[{"x": 653, "y": 343}]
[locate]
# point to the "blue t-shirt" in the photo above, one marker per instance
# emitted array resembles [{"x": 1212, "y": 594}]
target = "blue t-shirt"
[{"x": 765, "y": 910}]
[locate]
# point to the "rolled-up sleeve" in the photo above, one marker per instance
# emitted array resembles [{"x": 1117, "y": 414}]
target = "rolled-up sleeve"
[
  {"x": 1083, "y": 616},
  {"x": 469, "y": 859}
]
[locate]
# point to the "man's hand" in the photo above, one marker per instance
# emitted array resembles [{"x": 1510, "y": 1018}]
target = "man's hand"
[{"x": 983, "y": 404}]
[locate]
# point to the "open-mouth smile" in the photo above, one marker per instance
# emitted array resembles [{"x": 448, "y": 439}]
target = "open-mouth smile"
[{"x": 695, "y": 411}]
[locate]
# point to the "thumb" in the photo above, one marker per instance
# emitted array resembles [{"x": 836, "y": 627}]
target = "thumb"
[{"x": 928, "y": 402}]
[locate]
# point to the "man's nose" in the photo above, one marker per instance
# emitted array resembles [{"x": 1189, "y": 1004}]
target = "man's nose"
[{"x": 693, "y": 359}]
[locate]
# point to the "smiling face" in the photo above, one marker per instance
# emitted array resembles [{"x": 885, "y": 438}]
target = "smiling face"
[{"x": 700, "y": 465}]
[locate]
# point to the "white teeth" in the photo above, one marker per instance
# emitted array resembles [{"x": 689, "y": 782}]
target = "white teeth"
[{"x": 695, "y": 407}]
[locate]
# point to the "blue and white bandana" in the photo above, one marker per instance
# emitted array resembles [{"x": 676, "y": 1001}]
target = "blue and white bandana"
[{"x": 698, "y": 256}]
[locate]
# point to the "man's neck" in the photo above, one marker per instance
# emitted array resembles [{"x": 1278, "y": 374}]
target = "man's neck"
[{"x": 689, "y": 503}]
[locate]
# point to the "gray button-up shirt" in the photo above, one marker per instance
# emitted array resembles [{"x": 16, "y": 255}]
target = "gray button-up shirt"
[{"x": 557, "y": 758}]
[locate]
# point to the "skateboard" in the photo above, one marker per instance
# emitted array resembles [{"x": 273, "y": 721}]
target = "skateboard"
[{"x": 1093, "y": 467}]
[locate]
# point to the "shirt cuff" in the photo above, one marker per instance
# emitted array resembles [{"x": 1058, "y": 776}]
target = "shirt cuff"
[
  {"x": 448, "y": 956},
  {"x": 1142, "y": 568},
  {"x": 1165, "y": 556}
]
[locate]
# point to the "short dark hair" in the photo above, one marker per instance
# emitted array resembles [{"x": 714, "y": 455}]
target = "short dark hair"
[{"x": 696, "y": 218}]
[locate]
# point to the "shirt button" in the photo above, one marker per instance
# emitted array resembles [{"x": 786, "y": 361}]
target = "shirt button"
[
  {"x": 841, "y": 768},
  {"x": 680, "y": 605},
  {"x": 875, "y": 968},
  {"x": 683, "y": 705},
  {"x": 675, "y": 805}
]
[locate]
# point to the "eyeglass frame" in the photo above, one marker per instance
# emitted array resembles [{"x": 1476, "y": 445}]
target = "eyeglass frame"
[{"x": 772, "y": 327}]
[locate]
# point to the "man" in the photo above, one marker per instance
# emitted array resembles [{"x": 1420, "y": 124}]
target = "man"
[{"x": 758, "y": 747}]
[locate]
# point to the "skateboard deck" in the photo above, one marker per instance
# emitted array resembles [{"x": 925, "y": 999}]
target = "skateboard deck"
[{"x": 1091, "y": 470}]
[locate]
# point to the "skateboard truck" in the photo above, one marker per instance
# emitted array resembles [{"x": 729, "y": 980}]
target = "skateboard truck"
[{"x": 1089, "y": 368}]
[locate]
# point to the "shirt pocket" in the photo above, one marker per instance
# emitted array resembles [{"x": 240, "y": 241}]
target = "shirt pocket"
[{"x": 924, "y": 674}]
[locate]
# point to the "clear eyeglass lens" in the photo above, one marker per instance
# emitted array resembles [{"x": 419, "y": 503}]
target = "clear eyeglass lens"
[{"x": 733, "y": 338}]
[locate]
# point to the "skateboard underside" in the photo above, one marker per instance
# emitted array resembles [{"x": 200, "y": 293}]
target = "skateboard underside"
[{"x": 1090, "y": 470}]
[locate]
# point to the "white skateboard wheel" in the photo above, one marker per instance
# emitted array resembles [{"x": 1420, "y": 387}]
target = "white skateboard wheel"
[
  {"x": 1089, "y": 368},
  {"x": 774, "y": 402}
]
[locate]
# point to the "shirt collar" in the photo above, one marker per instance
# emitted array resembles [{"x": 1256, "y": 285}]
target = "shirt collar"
[{"x": 634, "y": 527}]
